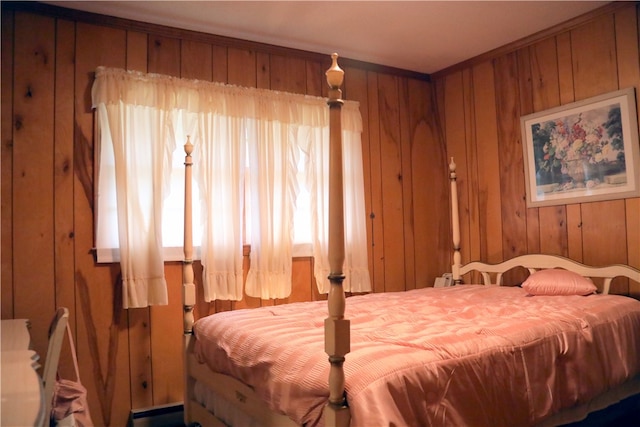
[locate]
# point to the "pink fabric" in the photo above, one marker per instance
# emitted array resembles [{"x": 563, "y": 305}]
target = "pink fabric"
[
  {"x": 556, "y": 281},
  {"x": 464, "y": 355}
]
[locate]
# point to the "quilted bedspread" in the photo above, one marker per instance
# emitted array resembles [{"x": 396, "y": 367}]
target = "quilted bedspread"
[{"x": 466, "y": 355}]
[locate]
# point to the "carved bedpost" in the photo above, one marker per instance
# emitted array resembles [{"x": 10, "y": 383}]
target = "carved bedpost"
[
  {"x": 188, "y": 287},
  {"x": 336, "y": 327},
  {"x": 455, "y": 222}
]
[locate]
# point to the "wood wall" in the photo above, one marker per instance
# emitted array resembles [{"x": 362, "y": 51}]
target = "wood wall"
[
  {"x": 132, "y": 359},
  {"x": 480, "y": 104}
]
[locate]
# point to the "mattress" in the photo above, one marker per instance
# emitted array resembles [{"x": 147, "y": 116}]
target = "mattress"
[{"x": 464, "y": 355}]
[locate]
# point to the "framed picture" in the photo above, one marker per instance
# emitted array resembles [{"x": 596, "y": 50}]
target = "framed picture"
[{"x": 582, "y": 152}]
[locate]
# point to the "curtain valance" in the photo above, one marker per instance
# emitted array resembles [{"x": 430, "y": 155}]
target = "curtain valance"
[{"x": 114, "y": 85}]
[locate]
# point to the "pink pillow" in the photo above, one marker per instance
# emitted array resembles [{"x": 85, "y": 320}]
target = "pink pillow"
[{"x": 556, "y": 281}]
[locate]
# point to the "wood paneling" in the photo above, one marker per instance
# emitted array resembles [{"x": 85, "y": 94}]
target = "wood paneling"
[
  {"x": 579, "y": 61},
  {"x": 6, "y": 165},
  {"x": 391, "y": 177},
  {"x": 428, "y": 189},
  {"x": 33, "y": 162},
  {"x": 376, "y": 215},
  {"x": 101, "y": 324}
]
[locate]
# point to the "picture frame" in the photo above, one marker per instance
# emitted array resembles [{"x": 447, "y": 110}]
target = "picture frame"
[{"x": 581, "y": 152}]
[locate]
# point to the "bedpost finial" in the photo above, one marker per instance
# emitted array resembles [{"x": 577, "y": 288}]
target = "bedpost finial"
[
  {"x": 334, "y": 74},
  {"x": 452, "y": 165},
  {"x": 188, "y": 146}
]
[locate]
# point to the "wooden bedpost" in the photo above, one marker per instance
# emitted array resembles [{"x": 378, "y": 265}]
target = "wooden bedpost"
[
  {"x": 336, "y": 327},
  {"x": 188, "y": 287},
  {"x": 455, "y": 222}
]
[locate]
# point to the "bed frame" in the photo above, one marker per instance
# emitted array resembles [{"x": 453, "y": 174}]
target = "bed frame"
[{"x": 337, "y": 328}]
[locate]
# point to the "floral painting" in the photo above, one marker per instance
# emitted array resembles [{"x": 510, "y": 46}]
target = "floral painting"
[{"x": 587, "y": 149}]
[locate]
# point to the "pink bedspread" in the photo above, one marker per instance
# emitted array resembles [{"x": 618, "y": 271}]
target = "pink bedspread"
[{"x": 461, "y": 356}]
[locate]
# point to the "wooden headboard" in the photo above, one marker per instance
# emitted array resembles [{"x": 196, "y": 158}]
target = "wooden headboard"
[{"x": 492, "y": 273}]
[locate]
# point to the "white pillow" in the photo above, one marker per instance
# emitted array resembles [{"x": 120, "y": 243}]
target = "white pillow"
[{"x": 556, "y": 281}]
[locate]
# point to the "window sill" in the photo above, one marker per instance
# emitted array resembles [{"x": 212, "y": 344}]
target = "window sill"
[{"x": 108, "y": 256}]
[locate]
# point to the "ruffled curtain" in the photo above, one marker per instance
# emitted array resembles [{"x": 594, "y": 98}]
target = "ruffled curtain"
[
  {"x": 226, "y": 122},
  {"x": 141, "y": 177},
  {"x": 219, "y": 167},
  {"x": 355, "y": 266}
]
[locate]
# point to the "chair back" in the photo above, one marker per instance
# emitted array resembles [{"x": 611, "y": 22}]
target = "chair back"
[{"x": 56, "y": 338}]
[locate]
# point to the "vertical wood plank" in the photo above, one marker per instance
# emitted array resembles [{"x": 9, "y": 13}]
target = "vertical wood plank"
[
  {"x": 472, "y": 143},
  {"x": 375, "y": 156},
  {"x": 406, "y": 181},
  {"x": 262, "y": 76},
  {"x": 242, "y": 66},
  {"x": 196, "y": 60},
  {"x": 565, "y": 68},
  {"x": 544, "y": 74},
  {"x": 594, "y": 53},
  {"x": 488, "y": 167},
  {"x": 288, "y": 74},
  {"x": 525, "y": 87},
  {"x": 219, "y": 64},
  {"x": 300, "y": 280},
  {"x": 553, "y": 226},
  {"x": 137, "y": 46},
  {"x": 33, "y": 174},
  {"x": 511, "y": 158},
  {"x": 6, "y": 164},
  {"x": 64, "y": 277},
  {"x": 315, "y": 80},
  {"x": 391, "y": 173},
  {"x": 430, "y": 186}
]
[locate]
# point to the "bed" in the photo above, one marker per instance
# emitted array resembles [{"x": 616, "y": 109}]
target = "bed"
[{"x": 547, "y": 352}]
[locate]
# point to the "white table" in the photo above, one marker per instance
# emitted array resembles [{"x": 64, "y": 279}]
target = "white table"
[{"x": 22, "y": 397}]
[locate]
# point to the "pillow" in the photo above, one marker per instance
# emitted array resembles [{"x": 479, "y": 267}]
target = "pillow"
[{"x": 558, "y": 282}]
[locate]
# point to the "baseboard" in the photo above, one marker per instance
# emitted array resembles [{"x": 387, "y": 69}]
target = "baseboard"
[{"x": 170, "y": 415}]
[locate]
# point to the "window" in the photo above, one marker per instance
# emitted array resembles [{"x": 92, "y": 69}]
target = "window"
[{"x": 265, "y": 147}]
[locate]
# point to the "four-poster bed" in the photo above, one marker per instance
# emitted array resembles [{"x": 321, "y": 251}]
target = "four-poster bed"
[{"x": 424, "y": 357}]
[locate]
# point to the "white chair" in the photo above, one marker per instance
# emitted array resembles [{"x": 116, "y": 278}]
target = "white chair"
[{"x": 56, "y": 337}]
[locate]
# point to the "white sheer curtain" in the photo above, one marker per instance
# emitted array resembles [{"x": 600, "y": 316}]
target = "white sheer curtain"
[
  {"x": 219, "y": 169},
  {"x": 355, "y": 267},
  {"x": 141, "y": 172},
  {"x": 272, "y": 190},
  {"x": 226, "y": 122}
]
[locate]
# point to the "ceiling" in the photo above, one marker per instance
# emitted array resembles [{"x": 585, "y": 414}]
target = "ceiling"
[{"x": 421, "y": 36}]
